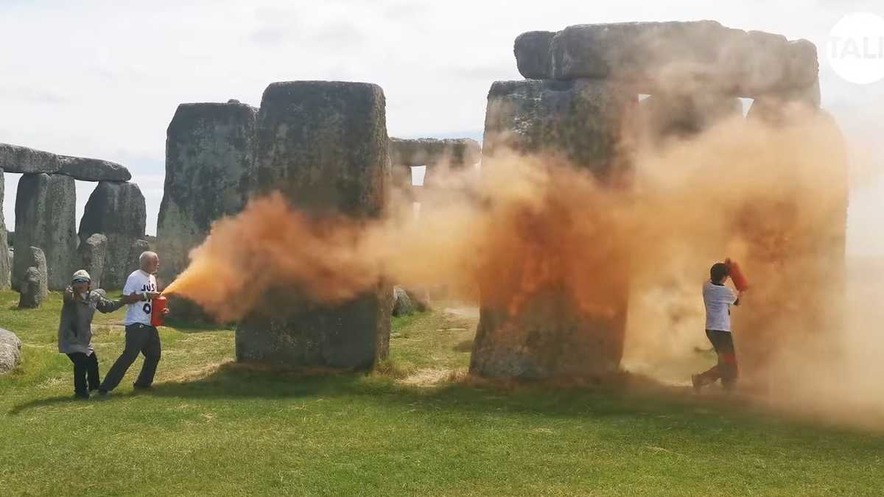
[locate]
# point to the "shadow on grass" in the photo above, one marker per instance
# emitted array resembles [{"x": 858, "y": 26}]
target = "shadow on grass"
[
  {"x": 634, "y": 399},
  {"x": 198, "y": 327},
  {"x": 57, "y": 401},
  {"x": 624, "y": 395}
]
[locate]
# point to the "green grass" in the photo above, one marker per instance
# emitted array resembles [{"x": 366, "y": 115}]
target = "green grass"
[{"x": 215, "y": 428}]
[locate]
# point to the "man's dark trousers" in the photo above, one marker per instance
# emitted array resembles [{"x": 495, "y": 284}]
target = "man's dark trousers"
[{"x": 140, "y": 339}]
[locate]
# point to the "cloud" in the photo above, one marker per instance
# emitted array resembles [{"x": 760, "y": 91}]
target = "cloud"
[{"x": 33, "y": 95}]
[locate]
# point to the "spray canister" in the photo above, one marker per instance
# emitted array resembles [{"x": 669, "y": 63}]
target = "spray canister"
[
  {"x": 737, "y": 275},
  {"x": 157, "y": 312}
]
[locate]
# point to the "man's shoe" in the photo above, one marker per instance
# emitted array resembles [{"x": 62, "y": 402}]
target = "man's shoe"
[
  {"x": 142, "y": 388},
  {"x": 81, "y": 396},
  {"x": 102, "y": 394}
]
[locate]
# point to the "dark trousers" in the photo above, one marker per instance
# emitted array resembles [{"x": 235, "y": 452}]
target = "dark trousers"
[
  {"x": 726, "y": 369},
  {"x": 85, "y": 373},
  {"x": 140, "y": 339}
]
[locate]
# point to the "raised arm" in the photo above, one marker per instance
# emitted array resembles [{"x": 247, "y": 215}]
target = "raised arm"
[
  {"x": 68, "y": 294},
  {"x": 105, "y": 306}
]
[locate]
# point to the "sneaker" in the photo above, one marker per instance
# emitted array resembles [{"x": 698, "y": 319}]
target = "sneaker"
[
  {"x": 142, "y": 388},
  {"x": 81, "y": 396},
  {"x": 102, "y": 394}
]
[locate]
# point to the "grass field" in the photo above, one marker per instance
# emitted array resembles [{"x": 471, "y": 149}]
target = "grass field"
[{"x": 415, "y": 427}]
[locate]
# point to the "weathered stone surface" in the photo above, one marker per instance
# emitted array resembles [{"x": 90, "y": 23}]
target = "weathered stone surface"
[
  {"x": 16, "y": 159},
  {"x": 45, "y": 217},
  {"x": 10, "y": 351},
  {"x": 669, "y": 56},
  {"x": 209, "y": 150},
  {"x": 324, "y": 145},
  {"x": 773, "y": 108},
  {"x": 5, "y": 267},
  {"x": 402, "y": 305},
  {"x": 548, "y": 338},
  {"x": 138, "y": 247},
  {"x": 664, "y": 116},
  {"x": 433, "y": 153},
  {"x": 546, "y": 333},
  {"x": 93, "y": 253},
  {"x": 33, "y": 286},
  {"x": 31, "y": 296},
  {"x": 116, "y": 210},
  {"x": 93, "y": 169},
  {"x": 581, "y": 120},
  {"x": 534, "y": 55}
]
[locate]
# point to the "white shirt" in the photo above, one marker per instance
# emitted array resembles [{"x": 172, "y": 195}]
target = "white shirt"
[
  {"x": 718, "y": 300},
  {"x": 139, "y": 282}
]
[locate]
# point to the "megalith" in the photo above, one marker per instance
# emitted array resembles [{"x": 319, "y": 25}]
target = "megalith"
[
  {"x": 693, "y": 73},
  {"x": 805, "y": 241},
  {"x": 133, "y": 261},
  {"x": 548, "y": 335},
  {"x": 663, "y": 116},
  {"x": 209, "y": 149},
  {"x": 451, "y": 153},
  {"x": 33, "y": 286},
  {"x": 324, "y": 146},
  {"x": 116, "y": 210},
  {"x": 4, "y": 243},
  {"x": 582, "y": 121},
  {"x": 93, "y": 253},
  {"x": 45, "y": 217}
]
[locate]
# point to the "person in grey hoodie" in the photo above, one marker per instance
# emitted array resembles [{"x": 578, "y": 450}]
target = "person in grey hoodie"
[{"x": 75, "y": 330}]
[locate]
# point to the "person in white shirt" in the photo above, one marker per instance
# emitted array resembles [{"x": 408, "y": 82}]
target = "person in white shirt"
[
  {"x": 718, "y": 299},
  {"x": 141, "y": 337}
]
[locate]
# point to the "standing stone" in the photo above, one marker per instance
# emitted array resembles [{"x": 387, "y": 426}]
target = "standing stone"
[
  {"x": 581, "y": 120},
  {"x": 209, "y": 149},
  {"x": 432, "y": 153},
  {"x": 33, "y": 286},
  {"x": 116, "y": 210},
  {"x": 547, "y": 333},
  {"x": 4, "y": 244},
  {"x": 10, "y": 351},
  {"x": 46, "y": 217},
  {"x": 682, "y": 116},
  {"x": 402, "y": 305},
  {"x": 323, "y": 145},
  {"x": 93, "y": 253},
  {"x": 133, "y": 261}
]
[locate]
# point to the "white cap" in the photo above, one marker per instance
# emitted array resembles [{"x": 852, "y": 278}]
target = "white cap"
[{"x": 81, "y": 275}]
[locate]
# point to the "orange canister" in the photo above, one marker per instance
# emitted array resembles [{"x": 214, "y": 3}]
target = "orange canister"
[
  {"x": 157, "y": 312},
  {"x": 737, "y": 276}
]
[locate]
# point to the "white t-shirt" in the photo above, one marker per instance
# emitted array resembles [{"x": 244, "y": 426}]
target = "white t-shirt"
[
  {"x": 139, "y": 282},
  {"x": 718, "y": 300}
]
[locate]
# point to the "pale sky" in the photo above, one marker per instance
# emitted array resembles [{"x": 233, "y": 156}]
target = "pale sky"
[{"x": 102, "y": 78}]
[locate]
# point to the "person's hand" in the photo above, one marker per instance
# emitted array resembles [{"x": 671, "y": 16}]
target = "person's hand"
[
  {"x": 152, "y": 295},
  {"x": 166, "y": 311}
]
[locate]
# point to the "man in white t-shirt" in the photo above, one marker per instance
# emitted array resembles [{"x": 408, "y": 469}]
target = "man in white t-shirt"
[
  {"x": 141, "y": 337},
  {"x": 718, "y": 300}
]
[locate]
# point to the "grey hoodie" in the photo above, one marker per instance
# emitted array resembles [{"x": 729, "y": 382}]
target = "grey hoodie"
[{"x": 75, "y": 328}]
